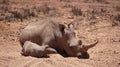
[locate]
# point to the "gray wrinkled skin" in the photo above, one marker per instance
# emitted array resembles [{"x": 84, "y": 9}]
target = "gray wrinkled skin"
[
  {"x": 50, "y": 33},
  {"x": 32, "y": 49}
]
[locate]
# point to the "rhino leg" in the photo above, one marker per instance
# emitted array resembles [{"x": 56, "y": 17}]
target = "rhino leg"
[
  {"x": 24, "y": 53},
  {"x": 50, "y": 50},
  {"x": 47, "y": 50}
]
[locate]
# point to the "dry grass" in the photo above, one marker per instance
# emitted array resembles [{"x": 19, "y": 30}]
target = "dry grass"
[
  {"x": 76, "y": 11},
  {"x": 117, "y": 17}
]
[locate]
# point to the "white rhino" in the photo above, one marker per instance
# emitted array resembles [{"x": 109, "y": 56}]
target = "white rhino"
[{"x": 50, "y": 33}]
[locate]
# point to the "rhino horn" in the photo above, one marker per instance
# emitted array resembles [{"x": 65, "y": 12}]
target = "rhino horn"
[{"x": 86, "y": 47}]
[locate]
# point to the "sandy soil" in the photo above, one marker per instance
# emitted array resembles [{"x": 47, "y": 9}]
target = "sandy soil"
[{"x": 105, "y": 54}]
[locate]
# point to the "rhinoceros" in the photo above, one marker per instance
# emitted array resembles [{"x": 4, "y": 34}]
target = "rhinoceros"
[{"x": 51, "y": 33}]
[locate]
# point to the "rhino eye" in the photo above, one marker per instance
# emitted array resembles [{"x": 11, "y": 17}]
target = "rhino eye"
[{"x": 74, "y": 48}]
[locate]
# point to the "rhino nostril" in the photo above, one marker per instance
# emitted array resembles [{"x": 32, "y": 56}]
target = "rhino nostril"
[{"x": 79, "y": 55}]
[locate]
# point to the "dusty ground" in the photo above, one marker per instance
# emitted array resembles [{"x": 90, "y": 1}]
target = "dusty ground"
[{"x": 105, "y": 54}]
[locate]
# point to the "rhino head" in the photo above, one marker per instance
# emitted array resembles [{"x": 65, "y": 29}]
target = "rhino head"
[{"x": 77, "y": 48}]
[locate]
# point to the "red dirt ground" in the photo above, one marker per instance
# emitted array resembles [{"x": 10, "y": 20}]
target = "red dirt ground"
[{"x": 105, "y": 54}]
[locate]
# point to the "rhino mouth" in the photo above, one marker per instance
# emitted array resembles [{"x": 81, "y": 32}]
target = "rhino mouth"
[{"x": 83, "y": 55}]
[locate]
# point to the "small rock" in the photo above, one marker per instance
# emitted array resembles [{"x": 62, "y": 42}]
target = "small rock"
[
  {"x": 4, "y": 37},
  {"x": 70, "y": 17},
  {"x": 13, "y": 39},
  {"x": 115, "y": 40},
  {"x": 118, "y": 63},
  {"x": 115, "y": 52},
  {"x": 8, "y": 24},
  {"x": 101, "y": 52}
]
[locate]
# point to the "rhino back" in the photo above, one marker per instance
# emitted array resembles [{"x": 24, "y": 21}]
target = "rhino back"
[{"x": 41, "y": 31}]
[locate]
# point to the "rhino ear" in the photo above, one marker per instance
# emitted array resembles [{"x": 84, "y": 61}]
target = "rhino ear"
[
  {"x": 71, "y": 26},
  {"x": 61, "y": 27}
]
